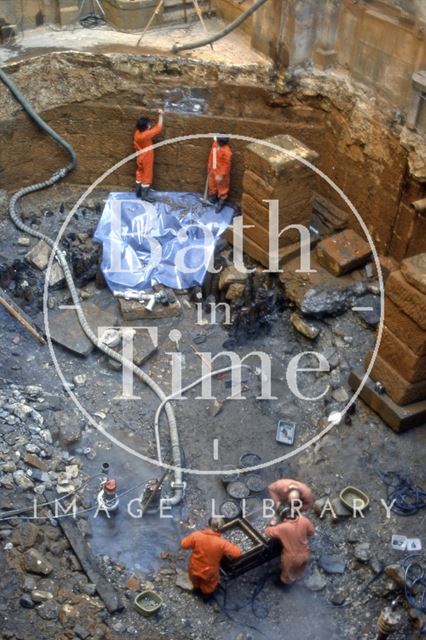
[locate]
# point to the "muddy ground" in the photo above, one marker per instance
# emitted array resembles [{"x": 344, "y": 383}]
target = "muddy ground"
[{"x": 37, "y": 418}]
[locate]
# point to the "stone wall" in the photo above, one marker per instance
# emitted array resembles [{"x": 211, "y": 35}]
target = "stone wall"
[{"x": 94, "y": 100}]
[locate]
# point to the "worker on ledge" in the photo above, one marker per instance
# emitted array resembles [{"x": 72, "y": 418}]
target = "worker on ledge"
[
  {"x": 219, "y": 169},
  {"x": 208, "y": 548},
  {"x": 293, "y": 532},
  {"x": 287, "y": 492},
  {"x": 142, "y": 139}
]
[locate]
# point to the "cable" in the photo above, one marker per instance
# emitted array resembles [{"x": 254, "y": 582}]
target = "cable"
[
  {"x": 61, "y": 258},
  {"x": 177, "y": 393},
  {"x": 414, "y": 577},
  {"x": 408, "y": 498},
  {"x": 217, "y": 36}
]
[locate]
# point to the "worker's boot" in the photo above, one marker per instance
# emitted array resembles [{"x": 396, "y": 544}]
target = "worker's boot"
[
  {"x": 220, "y": 204},
  {"x": 145, "y": 194},
  {"x": 138, "y": 190},
  {"x": 212, "y": 199}
]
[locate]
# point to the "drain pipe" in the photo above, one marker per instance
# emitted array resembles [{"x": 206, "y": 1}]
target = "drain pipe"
[
  {"x": 218, "y": 36},
  {"x": 60, "y": 256}
]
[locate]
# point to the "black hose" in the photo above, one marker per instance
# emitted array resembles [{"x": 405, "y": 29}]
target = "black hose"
[
  {"x": 40, "y": 122},
  {"x": 218, "y": 36},
  {"x": 406, "y": 498}
]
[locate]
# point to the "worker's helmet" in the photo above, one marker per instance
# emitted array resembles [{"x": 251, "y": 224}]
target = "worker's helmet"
[
  {"x": 143, "y": 124},
  {"x": 221, "y": 140}
]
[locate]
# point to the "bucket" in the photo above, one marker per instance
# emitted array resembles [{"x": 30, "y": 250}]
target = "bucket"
[{"x": 147, "y": 603}]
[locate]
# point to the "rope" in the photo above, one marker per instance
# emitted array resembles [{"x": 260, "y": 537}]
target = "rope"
[{"x": 414, "y": 582}]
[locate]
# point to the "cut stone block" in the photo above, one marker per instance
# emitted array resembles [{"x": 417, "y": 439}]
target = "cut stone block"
[
  {"x": 404, "y": 328},
  {"x": 134, "y": 310},
  {"x": 399, "y": 356},
  {"x": 414, "y": 271},
  {"x": 397, "y": 388},
  {"x": 397, "y": 418},
  {"x": 261, "y": 255},
  {"x": 343, "y": 252},
  {"x": 255, "y": 213},
  {"x": 407, "y": 298},
  {"x": 293, "y": 188},
  {"x": 272, "y": 163}
]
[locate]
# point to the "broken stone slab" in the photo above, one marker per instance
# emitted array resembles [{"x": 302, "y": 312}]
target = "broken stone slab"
[
  {"x": 362, "y": 552},
  {"x": 343, "y": 252},
  {"x": 65, "y": 328},
  {"x": 414, "y": 271},
  {"x": 325, "y": 301},
  {"x": 34, "y": 562},
  {"x": 339, "y": 509},
  {"x": 22, "y": 481},
  {"x": 231, "y": 275},
  {"x": 48, "y": 610},
  {"x": 332, "y": 563},
  {"x": 339, "y": 597},
  {"x": 368, "y": 309},
  {"x": 235, "y": 290},
  {"x": 135, "y": 310},
  {"x": 308, "y": 330},
  {"x": 39, "y": 255},
  {"x": 315, "y": 581},
  {"x": 340, "y": 395},
  {"x": 183, "y": 581}
]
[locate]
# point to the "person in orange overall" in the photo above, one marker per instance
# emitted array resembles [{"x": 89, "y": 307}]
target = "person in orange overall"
[
  {"x": 219, "y": 169},
  {"x": 143, "y": 138},
  {"x": 293, "y": 532},
  {"x": 208, "y": 548},
  {"x": 287, "y": 491}
]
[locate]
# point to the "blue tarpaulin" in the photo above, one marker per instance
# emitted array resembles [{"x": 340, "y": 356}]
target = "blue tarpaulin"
[{"x": 170, "y": 241}]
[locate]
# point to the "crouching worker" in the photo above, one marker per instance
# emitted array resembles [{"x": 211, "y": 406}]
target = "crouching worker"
[
  {"x": 293, "y": 492},
  {"x": 293, "y": 532},
  {"x": 219, "y": 168},
  {"x": 208, "y": 548},
  {"x": 143, "y": 138}
]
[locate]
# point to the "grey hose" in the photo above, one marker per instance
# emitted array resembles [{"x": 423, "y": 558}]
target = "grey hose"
[
  {"x": 60, "y": 256},
  {"x": 221, "y": 34}
]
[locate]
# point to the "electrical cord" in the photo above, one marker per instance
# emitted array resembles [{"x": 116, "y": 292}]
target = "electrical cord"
[
  {"x": 408, "y": 498},
  {"x": 414, "y": 581}
]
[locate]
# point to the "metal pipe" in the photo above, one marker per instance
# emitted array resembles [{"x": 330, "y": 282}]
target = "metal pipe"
[{"x": 218, "y": 36}]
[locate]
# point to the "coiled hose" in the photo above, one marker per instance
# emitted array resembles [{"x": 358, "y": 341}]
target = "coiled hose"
[{"x": 178, "y": 493}]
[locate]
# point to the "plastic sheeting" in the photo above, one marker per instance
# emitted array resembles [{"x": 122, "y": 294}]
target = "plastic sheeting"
[{"x": 170, "y": 241}]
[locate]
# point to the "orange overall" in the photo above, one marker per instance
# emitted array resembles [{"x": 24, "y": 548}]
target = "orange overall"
[
  {"x": 145, "y": 161},
  {"x": 219, "y": 170},
  {"x": 208, "y": 549},
  {"x": 279, "y": 491},
  {"x": 293, "y": 535}
]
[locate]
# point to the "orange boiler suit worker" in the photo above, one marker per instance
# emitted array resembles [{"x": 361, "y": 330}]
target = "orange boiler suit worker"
[
  {"x": 143, "y": 138},
  {"x": 287, "y": 490},
  {"x": 293, "y": 532},
  {"x": 219, "y": 167},
  {"x": 208, "y": 548}
]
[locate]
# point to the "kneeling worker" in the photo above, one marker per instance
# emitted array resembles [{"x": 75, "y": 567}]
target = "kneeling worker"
[
  {"x": 293, "y": 532},
  {"x": 219, "y": 169},
  {"x": 142, "y": 139},
  {"x": 208, "y": 548}
]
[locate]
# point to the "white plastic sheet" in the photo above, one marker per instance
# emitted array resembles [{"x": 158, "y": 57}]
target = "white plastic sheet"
[{"x": 169, "y": 242}]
